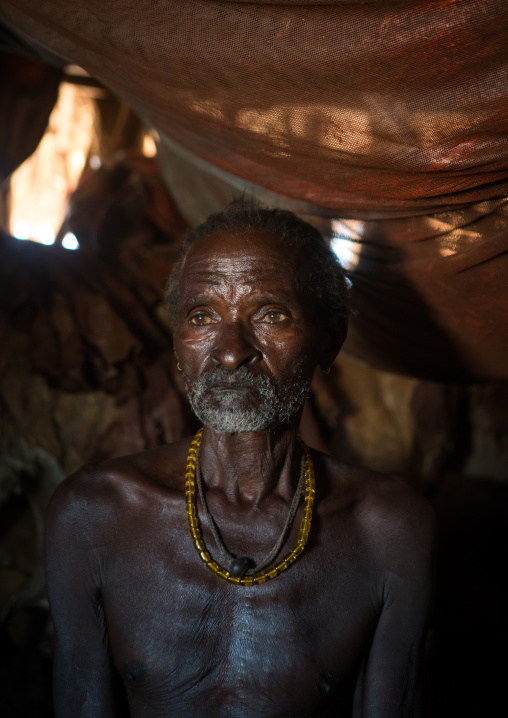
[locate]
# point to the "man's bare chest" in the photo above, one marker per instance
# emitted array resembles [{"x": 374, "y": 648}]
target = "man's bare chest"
[{"x": 177, "y": 633}]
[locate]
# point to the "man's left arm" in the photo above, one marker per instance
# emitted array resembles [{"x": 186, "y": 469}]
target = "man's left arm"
[{"x": 404, "y": 551}]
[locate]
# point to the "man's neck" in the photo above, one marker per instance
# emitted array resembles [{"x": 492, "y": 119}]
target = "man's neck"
[{"x": 251, "y": 466}]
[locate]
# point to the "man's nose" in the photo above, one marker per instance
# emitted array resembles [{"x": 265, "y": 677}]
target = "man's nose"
[{"x": 235, "y": 346}]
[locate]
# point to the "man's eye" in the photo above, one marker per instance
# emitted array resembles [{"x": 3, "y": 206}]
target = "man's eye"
[
  {"x": 273, "y": 317},
  {"x": 200, "y": 319}
]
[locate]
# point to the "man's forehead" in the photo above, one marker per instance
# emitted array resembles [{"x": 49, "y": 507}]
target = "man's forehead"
[
  {"x": 253, "y": 263},
  {"x": 253, "y": 250}
]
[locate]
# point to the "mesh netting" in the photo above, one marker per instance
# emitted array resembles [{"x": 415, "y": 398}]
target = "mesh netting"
[{"x": 344, "y": 104}]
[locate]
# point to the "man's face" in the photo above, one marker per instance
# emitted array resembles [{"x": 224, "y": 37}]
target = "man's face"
[{"x": 247, "y": 335}]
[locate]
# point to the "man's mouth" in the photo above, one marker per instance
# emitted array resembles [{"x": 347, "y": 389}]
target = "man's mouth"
[
  {"x": 220, "y": 383},
  {"x": 233, "y": 386}
]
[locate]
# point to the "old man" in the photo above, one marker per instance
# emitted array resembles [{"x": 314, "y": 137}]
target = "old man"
[{"x": 237, "y": 573}]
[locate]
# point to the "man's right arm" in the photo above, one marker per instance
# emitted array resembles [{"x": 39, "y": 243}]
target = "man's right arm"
[{"x": 86, "y": 684}]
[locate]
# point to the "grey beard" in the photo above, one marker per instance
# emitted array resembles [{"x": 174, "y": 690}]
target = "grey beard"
[{"x": 227, "y": 412}]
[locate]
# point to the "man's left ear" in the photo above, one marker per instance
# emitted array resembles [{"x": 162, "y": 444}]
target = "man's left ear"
[{"x": 335, "y": 336}]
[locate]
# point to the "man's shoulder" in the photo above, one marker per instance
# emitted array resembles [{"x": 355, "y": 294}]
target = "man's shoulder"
[
  {"x": 385, "y": 508},
  {"x": 100, "y": 491}
]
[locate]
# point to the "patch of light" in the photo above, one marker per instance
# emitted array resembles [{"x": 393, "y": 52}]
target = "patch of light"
[
  {"x": 345, "y": 253},
  {"x": 21, "y": 229},
  {"x": 149, "y": 146},
  {"x": 346, "y": 241},
  {"x": 40, "y": 188},
  {"x": 447, "y": 251},
  {"x": 43, "y": 233},
  {"x": 95, "y": 162},
  {"x": 76, "y": 161},
  {"x": 351, "y": 127},
  {"x": 70, "y": 241}
]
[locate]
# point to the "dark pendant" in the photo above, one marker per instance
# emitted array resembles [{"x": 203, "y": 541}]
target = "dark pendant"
[{"x": 239, "y": 566}]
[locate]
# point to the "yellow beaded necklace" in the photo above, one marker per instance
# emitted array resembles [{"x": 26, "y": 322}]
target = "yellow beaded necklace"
[{"x": 194, "y": 526}]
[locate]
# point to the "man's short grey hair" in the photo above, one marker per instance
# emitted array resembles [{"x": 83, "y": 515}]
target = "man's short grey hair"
[{"x": 321, "y": 273}]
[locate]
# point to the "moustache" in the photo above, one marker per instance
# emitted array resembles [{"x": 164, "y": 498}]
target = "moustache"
[{"x": 241, "y": 378}]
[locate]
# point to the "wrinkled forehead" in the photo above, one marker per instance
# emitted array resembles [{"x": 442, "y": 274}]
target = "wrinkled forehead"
[{"x": 253, "y": 255}]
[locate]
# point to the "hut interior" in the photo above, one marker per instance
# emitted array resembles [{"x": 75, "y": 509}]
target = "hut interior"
[{"x": 117, "y": 135}]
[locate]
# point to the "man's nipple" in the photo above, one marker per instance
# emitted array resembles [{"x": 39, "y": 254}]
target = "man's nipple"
[
  {"x": 134, "y": 672},
  {"x": 325, "y": 685}
]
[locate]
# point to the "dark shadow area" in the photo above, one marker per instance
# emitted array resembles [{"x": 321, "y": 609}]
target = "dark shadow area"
[
  {"x": 467, "y": 660},
  {"x": 25, "y": 664}
]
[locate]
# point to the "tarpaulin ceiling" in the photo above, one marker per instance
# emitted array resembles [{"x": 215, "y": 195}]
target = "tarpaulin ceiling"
[{"x": 386, "y": 121}]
